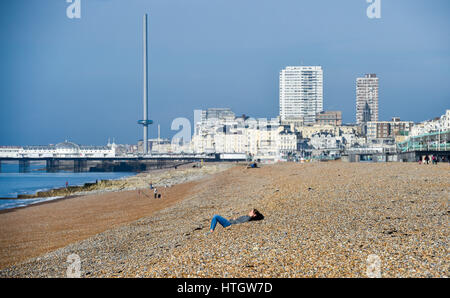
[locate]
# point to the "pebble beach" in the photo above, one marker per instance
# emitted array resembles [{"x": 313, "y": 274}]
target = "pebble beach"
[{"x": 321, "y": 220}]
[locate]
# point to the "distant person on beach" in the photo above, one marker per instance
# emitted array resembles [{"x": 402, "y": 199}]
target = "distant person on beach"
[
  {"x": 252, "y": 215},
  {"x": 156, "y": 193},
  {"x": 252, "y": 165},
  {"x": 67, "y": 184},
  {"x": 427, "y": 159}
]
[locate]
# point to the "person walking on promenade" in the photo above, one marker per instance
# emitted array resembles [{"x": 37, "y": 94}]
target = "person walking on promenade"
[{"x": 252, "y": 215}]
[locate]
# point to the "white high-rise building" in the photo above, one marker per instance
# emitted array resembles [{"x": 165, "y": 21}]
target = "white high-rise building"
[
  {"x": 301, "y": 93},
  {"x": 367, "y": 99}
]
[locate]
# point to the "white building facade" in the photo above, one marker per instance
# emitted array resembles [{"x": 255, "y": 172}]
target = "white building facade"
[
  {"x": 301, "y": 93},
  {"x": 439, "y": 124},
  {"x": 257, "y": 138}
]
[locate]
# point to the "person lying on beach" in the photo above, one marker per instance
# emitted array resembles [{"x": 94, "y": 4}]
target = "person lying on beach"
[{"x": 252, "y": 215}]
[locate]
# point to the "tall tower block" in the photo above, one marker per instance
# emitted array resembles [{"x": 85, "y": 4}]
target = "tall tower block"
[
  {"x": 367, "y": 98},
  {"x": 301, "y": 93}
]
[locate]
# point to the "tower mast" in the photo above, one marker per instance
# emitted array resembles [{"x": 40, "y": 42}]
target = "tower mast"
[{"x": 145, "y": 122}]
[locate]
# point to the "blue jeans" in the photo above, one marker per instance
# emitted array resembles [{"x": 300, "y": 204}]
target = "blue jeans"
[{"x": 223, "y": 221}]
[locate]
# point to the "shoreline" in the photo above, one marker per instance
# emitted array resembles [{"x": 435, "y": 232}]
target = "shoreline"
[
  {"x": 57, "y": 191},
  {"x": 13, "y": 209},
  {"x": 44, "y": 196},
  {"x": 83, "y": 188},
  {"x": 40, "y": 228},
  {"x": 87, "y": 187},
  {"x": 102, "y": 186}
]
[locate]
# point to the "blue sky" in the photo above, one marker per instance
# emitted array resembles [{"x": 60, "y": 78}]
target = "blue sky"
[{"x": 81, "y": 79}]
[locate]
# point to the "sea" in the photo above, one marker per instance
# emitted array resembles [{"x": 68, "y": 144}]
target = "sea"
[{"x": 13, "y": 183}]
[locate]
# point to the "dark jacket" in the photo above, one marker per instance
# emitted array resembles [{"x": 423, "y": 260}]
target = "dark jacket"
[{"x": 241, "y": 219}]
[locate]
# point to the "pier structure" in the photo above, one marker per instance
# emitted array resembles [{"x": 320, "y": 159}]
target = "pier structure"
[
  {"x": 24, "y": 165},
  {"x": 109, "y": 164},
  {"x": 52, "y": 164}
]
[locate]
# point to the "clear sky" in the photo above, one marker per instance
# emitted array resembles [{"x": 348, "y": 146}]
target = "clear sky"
[{"x": 81, "y": 79}]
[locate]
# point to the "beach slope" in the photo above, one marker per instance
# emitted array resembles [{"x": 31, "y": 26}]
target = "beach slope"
[{"x": 321, "y": 220}]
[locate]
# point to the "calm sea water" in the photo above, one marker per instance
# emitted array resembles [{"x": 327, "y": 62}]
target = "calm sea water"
[{"x": 13, "y": 183}]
